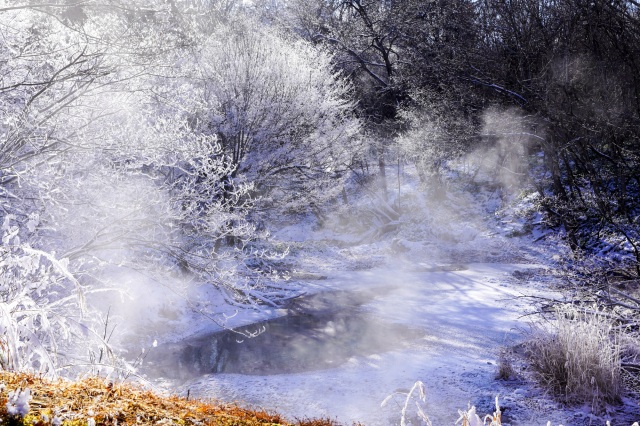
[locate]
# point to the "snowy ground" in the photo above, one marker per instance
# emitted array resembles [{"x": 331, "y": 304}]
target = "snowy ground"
[
  {"x": 466, "y": 316},
  {"x": 460, "y": 286}
]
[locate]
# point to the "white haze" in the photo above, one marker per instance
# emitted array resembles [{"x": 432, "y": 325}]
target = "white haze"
[{"x": 510, "y": 136}]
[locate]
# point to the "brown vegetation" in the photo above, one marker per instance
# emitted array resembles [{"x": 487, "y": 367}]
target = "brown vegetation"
[{"x": 125, "y": 404}]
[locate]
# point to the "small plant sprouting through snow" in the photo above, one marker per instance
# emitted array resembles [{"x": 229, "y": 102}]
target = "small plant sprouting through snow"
[
  {"x": 469, "y": 417},
  {"x": 422, "y": 396},
  {"x": 496, "y": 418},
  {"x": 18, "y": 403},
  {"x": 90, "y": 420}
]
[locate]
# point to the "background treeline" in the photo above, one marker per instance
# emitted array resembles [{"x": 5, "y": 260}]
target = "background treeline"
[{"x": 566, "y": 70}]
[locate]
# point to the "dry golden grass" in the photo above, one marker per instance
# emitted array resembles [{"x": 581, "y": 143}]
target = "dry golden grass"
[
  {"x": 579, "y": 357},
  {"x": 125, "y": 404}
]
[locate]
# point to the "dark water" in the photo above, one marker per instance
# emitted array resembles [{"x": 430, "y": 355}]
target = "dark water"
[{"x": 320, "y": 331}]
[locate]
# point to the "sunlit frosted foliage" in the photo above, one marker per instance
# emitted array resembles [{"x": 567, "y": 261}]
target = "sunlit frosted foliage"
[
  {"x": 281, "y": 114},
  {"x": 41, "y": 305},
  {"x": 115, "y": 153}
]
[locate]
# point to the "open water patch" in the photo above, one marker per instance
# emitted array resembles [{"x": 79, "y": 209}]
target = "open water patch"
[{"x": 320, "y": 331}]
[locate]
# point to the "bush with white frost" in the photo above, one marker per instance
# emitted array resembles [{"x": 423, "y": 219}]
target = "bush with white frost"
[
  {"x": 42, "y": 307},
  {"x": 281, "y": 113},
  {"x": 579, "y": 356},
  {"x": 101, "y": 172}
]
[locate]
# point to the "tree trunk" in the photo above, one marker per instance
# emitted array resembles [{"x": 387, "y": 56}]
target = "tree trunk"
[{"x": 383, "y": 177}]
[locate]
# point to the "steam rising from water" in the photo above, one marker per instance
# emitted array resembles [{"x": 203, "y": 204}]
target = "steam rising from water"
[
  {"x": 319, "y": 332},
  {"x": 504, "y": 159}
]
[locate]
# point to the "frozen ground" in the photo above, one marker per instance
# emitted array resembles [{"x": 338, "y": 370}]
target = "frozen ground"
[
  {"x": 466, "y": 316},
  {"x": 459, "y": 287}
]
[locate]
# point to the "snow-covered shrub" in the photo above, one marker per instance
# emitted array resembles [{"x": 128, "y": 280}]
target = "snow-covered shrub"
[
  {"x": 135, "y": 186},
  {"x": 578, "y": 356},
  {"x": 41, "y": 305},
  {"x": 433, "y": 138},
  {"x": 505, "y": 369},
  {"x": 281, "y": 113}
]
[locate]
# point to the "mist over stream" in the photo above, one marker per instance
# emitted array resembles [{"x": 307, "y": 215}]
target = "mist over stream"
[
  {"x": 366, "y": 335},
  {"x": 317, "y": 332}
]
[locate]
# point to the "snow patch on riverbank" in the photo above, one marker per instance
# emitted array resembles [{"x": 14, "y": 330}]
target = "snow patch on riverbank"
[{"x": 467, "y": 317}]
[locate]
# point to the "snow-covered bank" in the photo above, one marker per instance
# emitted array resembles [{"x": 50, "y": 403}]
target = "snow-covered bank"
[
  {"x": 466, "y": 315},
  {"x": 462, "y": 287}
]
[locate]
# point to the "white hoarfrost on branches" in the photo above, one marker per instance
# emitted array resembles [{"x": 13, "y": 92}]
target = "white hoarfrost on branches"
[
  {"x": 114, "y": 156},
  {"x": 281, "y": 114},
  {"x": 42, "y": 307},
  {"x": 432, "y": 138}
]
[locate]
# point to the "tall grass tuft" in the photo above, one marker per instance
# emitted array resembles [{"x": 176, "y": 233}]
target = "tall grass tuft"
[{"x": 578, "y": 357}]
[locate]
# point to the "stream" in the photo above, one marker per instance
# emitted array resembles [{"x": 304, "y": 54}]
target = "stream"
[
  {"x": 317, "y": 332},
  {"x": 368, "y": 335}
]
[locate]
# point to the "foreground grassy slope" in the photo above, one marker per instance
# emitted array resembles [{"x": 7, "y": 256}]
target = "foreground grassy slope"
[{"x": 93, "y": 400}]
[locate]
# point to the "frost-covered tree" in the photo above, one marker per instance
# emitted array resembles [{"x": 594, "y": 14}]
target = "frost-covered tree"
[
  {"x": 281, "y": 113},
  {"x": 97, "y": 175}
]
